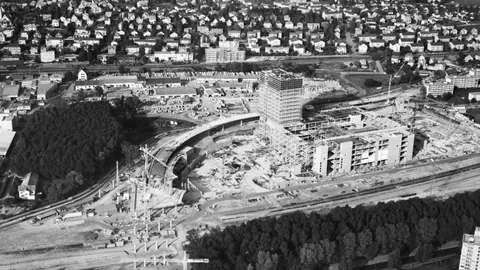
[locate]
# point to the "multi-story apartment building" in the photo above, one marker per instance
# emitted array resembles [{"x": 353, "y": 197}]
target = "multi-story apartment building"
[
  {"x": 439, "y": 88},
  {"x": 470, "y": 257},
  {"x": 224, "y": 55}
]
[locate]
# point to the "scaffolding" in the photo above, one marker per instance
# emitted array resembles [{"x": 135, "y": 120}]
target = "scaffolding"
[{"x": 347, "y": 139}]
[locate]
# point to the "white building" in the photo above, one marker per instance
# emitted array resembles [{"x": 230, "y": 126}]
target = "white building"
[
  {"x": 47, "y": 56},
  {"x": 171, "y": 56},
  {"x": 43, "y": 88},
  {"x": 223, "y": 55},
  {"x": 82, "y": 75},
  {"x": 470, "y": 256},
  {"x": 28, "y": 188}
]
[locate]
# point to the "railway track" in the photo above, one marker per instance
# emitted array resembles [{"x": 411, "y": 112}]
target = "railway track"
[
  {"x": 320, "y": 201},
  {"x": 73, "y": 200}
]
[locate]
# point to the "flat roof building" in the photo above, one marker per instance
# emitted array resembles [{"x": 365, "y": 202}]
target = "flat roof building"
[
  {"x": 224, "y": 55},
  {"x": 167, "y": 92},
  {"x": 6, "y": 139},
  {"x": 10, "y": 91},
  {"x": 339, "y": 141},
  {"x": 280, "y": 96},
  {"x": 470, "y": 256}
]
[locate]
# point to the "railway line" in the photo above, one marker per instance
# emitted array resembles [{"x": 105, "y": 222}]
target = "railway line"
[
  {"x": 78, "y": 199},
  {"x": 321, "y": 201}
]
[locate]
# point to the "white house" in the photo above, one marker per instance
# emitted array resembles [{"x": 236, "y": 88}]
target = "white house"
[
  {"x": 362, "y": 48},
  {"x": 28, "y": 188},
  {"x": 82, "y": 75}
]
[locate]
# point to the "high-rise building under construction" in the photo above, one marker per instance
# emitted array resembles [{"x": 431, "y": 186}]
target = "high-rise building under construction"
[
  {"x": 281, "y": 96},
  {"x": 335, "y": 141}
]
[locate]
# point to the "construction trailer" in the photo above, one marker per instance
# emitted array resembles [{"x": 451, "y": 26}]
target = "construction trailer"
[{"x": 70, "y": 216}]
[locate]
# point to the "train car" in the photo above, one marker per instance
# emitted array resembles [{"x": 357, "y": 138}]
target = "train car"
[
  {"x": 48, "y": 214},
  {"x": 408, "y": 195}
]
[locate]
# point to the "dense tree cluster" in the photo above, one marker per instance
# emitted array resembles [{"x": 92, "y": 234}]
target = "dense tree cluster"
[
  {"x": 57, "y": 140},
  {"x": 345, "y": 235}
]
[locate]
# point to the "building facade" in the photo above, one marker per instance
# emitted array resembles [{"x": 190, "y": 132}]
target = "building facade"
[
  {"x": 280, "y": 96},
  {"x": 47, "y": 56},
  {"x": 27, "y": 190},
  {"x": 470, "y": 256},
  {"x": 224, "y": 55},
  {"x": 439, "y": 88}
]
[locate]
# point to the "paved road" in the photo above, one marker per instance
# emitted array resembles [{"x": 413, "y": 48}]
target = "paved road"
[{"x": 178, "y": 117}]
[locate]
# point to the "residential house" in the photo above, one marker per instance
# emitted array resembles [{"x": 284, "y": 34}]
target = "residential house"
[
  {"x": 444, "y": 38},
  {"x": 172, "y": 43},
  {"x": 295, "y": 41},
  {"x": 395, "y": 59},
  {"x": 82, "y": 33},
  {"x": 313, "y": 26},
  {"x": 408, "y": 57},
  {"x": 389, "y": 37},
  {"x": 271, "y": 50},
  {"x": 135, "y": 49},
  {"x": 273, "y": 41},
  {"x": 28, "y": 188},
  {"x": 407, "y": 35},
  {"x": 366, "y": 37},
  {"x": 234, "y": 33},
  {"x": 404, "y": 42},
  {"x": 318, "y": 44},
  {"x": 54, "y": 42},
  {"x": 473, "y": 45},
  {"x": 457, "y": 45},
  {"x": 362, "y": 48},
  {"x": 417, "y": 47},
  {"x": 327, "y": 15},
  {"x": 341, "y": 48},
  {"x": 82, "y": 75},
  {"x": 435, "y": 47},
  {"x": 395, "y": 47},
  {"x": 377, "y": 43},
  {"x": 13, "y": 49},
  {"x": 299, "y": 48}
]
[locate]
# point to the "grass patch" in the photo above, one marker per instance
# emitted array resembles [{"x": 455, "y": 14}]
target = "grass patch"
[
  {"x": 359, "y": 79},
  {"x": 474, "y": 114}
]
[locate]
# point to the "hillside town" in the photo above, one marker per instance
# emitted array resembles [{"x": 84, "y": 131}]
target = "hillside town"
[{"x": 216, "y": 32}]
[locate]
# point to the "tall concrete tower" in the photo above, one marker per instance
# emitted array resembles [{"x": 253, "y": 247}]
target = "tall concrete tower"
[{"x": 281, "y": 96}]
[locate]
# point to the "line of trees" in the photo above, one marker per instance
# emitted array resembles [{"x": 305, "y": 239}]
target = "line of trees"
[{"x": 348, "y": 236}]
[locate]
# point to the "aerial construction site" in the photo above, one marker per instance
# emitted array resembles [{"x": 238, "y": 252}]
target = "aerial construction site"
[{"x": 252, "y": 165}]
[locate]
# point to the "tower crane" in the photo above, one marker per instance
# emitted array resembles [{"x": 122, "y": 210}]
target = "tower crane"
[
  {"x": 390, "y": 82},
  {"x": 147, "y": 154}
]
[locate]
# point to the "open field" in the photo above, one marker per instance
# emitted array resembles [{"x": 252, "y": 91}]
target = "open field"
[{"x": 359, "y": 79}]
